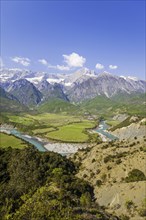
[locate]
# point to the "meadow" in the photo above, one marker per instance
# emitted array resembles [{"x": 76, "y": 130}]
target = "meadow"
[
  {"x": 7, "y": 140},
  {"x": 74, "y": 132},
  {"x": 60, "y": 127}
]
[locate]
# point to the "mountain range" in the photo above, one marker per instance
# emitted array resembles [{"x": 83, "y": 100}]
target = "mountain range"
[{"x": 35, "y": 88}]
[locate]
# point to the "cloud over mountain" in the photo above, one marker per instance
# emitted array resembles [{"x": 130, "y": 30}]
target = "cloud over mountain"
[
  {"x": 74, "y": 60},
  {"x": 21, "y": 60},
  {"x": 99, "y": 66},
  {"x": 43, "y": 61},
  {"x": 113, "y": 67}
]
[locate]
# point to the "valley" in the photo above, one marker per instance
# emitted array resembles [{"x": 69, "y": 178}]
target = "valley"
[
  {"x": 103, "y": 135},
  {"x": 72, "y": 110}
]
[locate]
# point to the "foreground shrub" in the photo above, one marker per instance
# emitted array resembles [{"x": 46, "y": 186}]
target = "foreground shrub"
[{"x": 135, "y": 175}]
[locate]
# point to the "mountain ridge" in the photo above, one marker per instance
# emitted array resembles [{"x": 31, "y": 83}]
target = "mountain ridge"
[{"x": 82, "y": 85}]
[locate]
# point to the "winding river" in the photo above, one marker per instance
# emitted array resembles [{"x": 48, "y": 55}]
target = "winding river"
[
  {"x": 65, "y": 148},
  {"x": 102, "y": 129},
  {"x": 32, "y": 140}
]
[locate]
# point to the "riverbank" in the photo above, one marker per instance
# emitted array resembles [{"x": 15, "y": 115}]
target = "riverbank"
[
  {"x": 64, "y": 148},
  {"x": 104, "y": 133},
  {"x": 43, "y": 144}
]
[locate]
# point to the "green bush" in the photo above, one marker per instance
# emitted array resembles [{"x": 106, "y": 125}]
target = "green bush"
[
  {"x": 98, "y": 182},
  {"x": 135, "y": 175}
]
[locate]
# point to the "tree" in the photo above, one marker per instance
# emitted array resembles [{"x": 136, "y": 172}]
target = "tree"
[{"x": 85, "y": 199}]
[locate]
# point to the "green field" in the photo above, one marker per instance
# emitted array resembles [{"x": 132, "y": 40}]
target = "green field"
[
  {"x": 7, "y": 140},
  {"x": 61, "y": 127},
  {"x": 72, "y": 133},
  {"x": 21, "y": 120},
  {"x": 43, "y": 130}
]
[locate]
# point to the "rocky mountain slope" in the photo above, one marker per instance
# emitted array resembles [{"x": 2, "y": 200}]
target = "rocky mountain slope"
[
  {"x": 51, "y": 90},
  {"x": 10, "y": 103},
  {"x": 104, "y": 84},
  {"x": 81, "y": 85},
  {"x": 117, "y": 172},
  {"x": 135, "y": 129},
  {"x": 25, "y": 92}
]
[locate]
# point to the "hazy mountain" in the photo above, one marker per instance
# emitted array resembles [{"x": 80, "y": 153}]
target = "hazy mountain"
[
  {"x": 79, "y": 76},
  {"x": 25, "y": 92},
  {"x": 10, "y": 103},
  {"x": 51, "y": 90},
  {"x": 104, "y": 84},
  {"x": 81, "y": 85}
]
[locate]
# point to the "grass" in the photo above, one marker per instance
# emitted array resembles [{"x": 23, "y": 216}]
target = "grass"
[
  {"x": 72, "y": 133},
  {"x": 43, "y": 130},
  {"x": 61, "y": 127},
  {"x": 7, "y": 140},
  {"x": 112, "y": 122},
  {"x": 56, "y": 120},
  {"x": 57, "y": 105},
  {"x": 124, "y": 123},
  {"x": 21, "y": 120}
]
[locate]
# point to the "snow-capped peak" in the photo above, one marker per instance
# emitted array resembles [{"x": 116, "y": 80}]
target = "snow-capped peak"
[{"x": 130, "y": 78}]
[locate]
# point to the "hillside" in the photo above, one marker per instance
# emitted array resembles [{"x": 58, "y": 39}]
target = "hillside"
[
  {"x": 131, "y": 104},
  {"x": 57, "y": 105},
  {"x": 117, "y": 172},
  {"x": 9, "y": 103},
  {"x": 37, "y": 186},
  {"x": 134, "y": 128}
]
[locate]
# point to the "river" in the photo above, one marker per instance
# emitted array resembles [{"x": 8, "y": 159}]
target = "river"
[
  {"x": 102, "y": 129},
  {"x": 61, "y": 148},
  {"x": 32, "y": 140}
]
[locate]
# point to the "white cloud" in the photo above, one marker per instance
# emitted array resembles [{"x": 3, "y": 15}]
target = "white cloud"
[
  {"x": 99, "y": 66},
  {"x": 1, "y": 63},
  {"x": 62, "y": 67},
  {"x": 74, "y": 60},
  {"x": 22, "y": 60},
  {"x": 113, "y": 67},
  {"x": 43, "y": 61}
]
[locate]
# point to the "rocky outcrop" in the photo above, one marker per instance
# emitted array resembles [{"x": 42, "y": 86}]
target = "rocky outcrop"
[{"x": 135, "y": 129}]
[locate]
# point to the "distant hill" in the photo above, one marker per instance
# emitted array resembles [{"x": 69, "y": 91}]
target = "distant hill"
[
  {"x": 56, "y": 105},
  {"x": 9, "y": 103},
  {"x": 121, "y": 103}
]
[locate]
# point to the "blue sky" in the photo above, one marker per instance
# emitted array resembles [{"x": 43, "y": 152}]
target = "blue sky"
[{"x": 62, "y": 36}]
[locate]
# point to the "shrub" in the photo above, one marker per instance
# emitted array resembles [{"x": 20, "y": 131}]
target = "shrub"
[
  {"x": 118, "y": 161},
  {"x": 108, "y": 158},
  {"x": 92, "y": 175},
  {"x": 98, "y": 171},
  {"x": 124, "y": 217},
  {"x": 129, "y": 204},
  {"x": 98, "y": 182},
  {"x": 135, "y": 175},
  {"x": 85, "y": 175},
  {"x": 85, "y": 199},
  {"x": 109, "y": 167},
  {"x": 142, "y": 210},
  {"x": 103, "y": 177}
]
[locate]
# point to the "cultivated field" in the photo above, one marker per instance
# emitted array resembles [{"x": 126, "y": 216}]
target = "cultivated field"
[
  {"x": 60, "y": 127},
  {"x": 7, "y": 140}
]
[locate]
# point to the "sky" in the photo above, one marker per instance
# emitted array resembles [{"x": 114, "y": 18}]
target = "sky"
[{"x": 63, "y": 36}]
